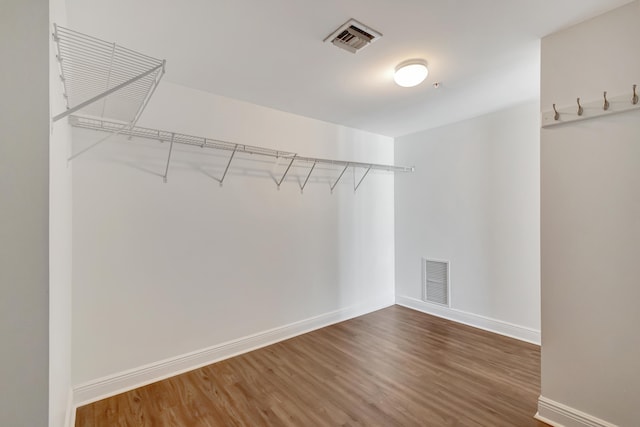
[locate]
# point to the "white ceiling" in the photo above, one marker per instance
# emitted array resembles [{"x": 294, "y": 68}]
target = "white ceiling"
[{"x": 485, "y": 53}]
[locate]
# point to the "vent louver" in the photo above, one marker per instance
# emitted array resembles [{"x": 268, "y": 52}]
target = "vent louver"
[
  {"x": 435, "y": 281},
  {"x": 353, "y": 36}
]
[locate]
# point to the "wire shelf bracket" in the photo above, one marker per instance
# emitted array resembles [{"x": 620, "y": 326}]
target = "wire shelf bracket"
[
  {"x": 226, "y": 169},
  {"x": 304, "y": 184},
  {"x": 93, "y": 70},
  {"x": 340, "y": 176},
  {"x": 293, "y": 158},
  {"x": 166, "y": 170},
  {"x": 366, "y": 172},
  {"x": 114, "y": 128}
]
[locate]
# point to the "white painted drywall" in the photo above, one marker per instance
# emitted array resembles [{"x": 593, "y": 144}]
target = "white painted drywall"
[
  {"x": 24, "y": 213},
  {"x": 59, "y": 242},
  {"x": 474, "y": 201},
  {"x": 591, "y": 222},
  {"x": 160, "y": 270}
]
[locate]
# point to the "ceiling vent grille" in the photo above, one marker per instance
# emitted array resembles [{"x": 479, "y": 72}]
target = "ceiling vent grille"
[
  {"x": 353, "y": 36},
  {"x": 435, "y": 281}
]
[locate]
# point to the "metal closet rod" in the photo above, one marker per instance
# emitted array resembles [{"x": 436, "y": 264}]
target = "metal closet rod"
[{"x": 179, "y": 138}]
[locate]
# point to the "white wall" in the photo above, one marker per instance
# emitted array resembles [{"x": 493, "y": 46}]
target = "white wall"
[
  {"x": 59, "y": 243},
  {"x": 24, "y": 213},
  {"x": 474, "y": 201},
  {"x": 165, "y": 269},
  {"x": 591, "y": 226}
]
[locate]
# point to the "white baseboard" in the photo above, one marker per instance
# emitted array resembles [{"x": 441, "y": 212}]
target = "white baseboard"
[
  {"x": 559, "y": 415},
  {"x": 124, "y": 381},
  {"x": 488, "y": 324}
]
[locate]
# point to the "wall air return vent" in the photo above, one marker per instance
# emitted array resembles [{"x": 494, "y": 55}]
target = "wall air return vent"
[
  {"x": 353, "y": 36},
  {"x": 435, "y": 281}
]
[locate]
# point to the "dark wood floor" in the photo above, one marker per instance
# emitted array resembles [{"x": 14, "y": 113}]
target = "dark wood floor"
[{"x": 394, "y": 367}]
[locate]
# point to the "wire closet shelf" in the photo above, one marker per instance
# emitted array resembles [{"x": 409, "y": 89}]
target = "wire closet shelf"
[
  {"x": 110, "y": 86},
  {"x": 113, "y": 127},
  {"x": 104, "y": 79}
]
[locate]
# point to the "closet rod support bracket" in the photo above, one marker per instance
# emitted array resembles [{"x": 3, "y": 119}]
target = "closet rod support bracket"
[
  {"x": 340, "y": 177},
  {"x": 286, "y": 171},
  {"x": 166, "y": 170},
  {"x": 105, "y": 93},
  {"x": 361, "y": 179},
  {"x": 304, "y": 184},
  {"x": 233, "y": 153}
]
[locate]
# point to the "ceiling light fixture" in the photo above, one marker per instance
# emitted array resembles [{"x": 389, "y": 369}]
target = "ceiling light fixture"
[{"x": 411, "y": 72}]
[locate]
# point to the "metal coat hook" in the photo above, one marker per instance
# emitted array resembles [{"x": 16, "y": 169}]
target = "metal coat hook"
[
  {"x": 634, "y": 100},
  {"x": 580, "y": 109},
  {"x": 556, "y": 115},
  {"x": 606, "y": 105}
]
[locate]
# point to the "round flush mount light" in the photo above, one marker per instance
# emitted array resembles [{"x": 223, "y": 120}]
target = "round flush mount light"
[{"x": 411, "y": 72}]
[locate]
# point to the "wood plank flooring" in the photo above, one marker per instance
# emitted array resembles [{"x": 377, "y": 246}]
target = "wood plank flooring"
[{"x": 393, "y": 367}]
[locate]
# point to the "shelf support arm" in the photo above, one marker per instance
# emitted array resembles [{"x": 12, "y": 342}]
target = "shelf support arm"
[
  {"x": 106, "y": 93},
  {"x": 286, "y": 171},
  {"x": 113, "y": 54},
  {"x": 126, "y": 127},
  {"x": 166, "y": 170},
  {"x": 156, "y": 82},
  {"x": 308, "y": 176},
  {"x": 339, "y": 177},
  {"x": 233, "y": 153},
  {"x": 361, "y": 179}
]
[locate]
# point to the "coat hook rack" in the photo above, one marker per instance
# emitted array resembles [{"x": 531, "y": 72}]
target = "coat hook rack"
[{"x": 589, "y": 110}]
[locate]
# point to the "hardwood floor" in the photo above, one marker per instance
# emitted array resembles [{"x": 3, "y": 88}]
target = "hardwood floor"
[{"x": 393, "y": 367}]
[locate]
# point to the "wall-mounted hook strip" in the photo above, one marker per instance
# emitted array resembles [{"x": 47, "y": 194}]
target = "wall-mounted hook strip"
[
  {"x": 602, "y": 106},
  {"x": 166, "y": 171},
  {"x": 580, "y": 109},
  {"x": 339, "y": 177},
  {"x": 308, "y": 176}
]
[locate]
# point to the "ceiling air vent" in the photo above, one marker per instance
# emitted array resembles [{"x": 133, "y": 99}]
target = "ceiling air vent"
[
  {"x": 435, "y": 281},
  {"x": 353, "y": 36}
]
